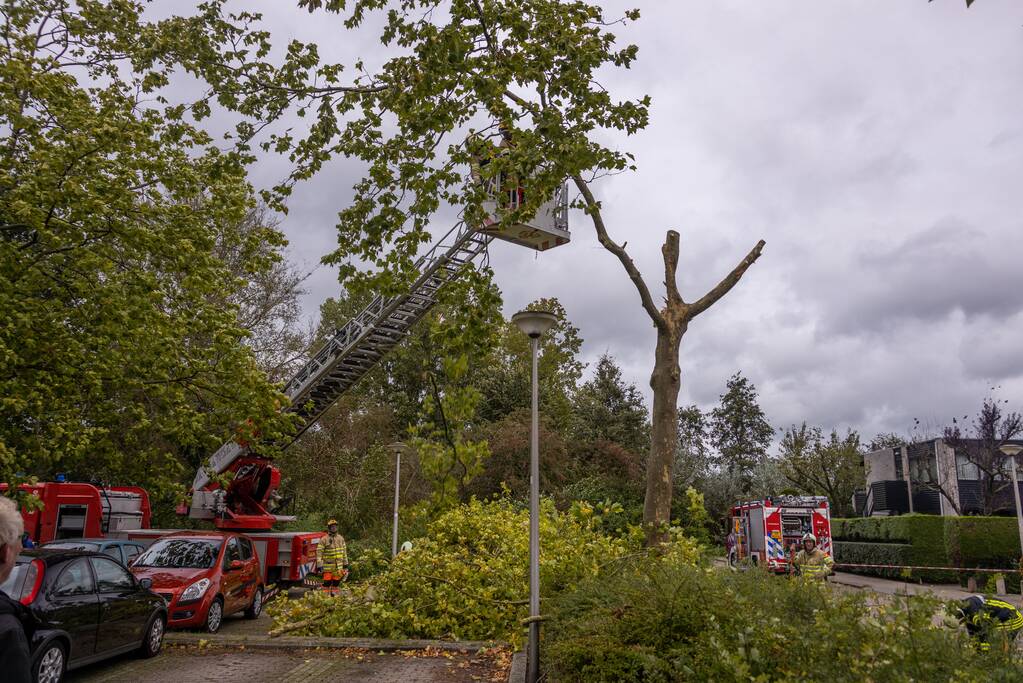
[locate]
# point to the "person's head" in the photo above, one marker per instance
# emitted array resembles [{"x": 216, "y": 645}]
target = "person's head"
[
  {"x": 964, "y": 609},
  {"x": 11, "y": 527},
  {"x": 332, "y": 526},
  {"x": 809, "y": 542}
]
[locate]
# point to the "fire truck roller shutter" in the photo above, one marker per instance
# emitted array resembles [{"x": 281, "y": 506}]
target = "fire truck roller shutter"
[{"x": 756, "y": 537}]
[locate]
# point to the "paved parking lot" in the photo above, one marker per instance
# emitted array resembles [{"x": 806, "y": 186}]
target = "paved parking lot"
[{"x": 192, "y": 664}]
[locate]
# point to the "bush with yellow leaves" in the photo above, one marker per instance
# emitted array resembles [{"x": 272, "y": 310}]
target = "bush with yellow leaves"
[{"x": 468, "y": 578}]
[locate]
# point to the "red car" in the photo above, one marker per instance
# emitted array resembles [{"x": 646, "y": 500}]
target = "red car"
[{"x": 203, "y": 576}]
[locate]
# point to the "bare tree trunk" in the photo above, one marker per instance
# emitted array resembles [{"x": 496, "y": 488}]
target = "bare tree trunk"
[
  {"x": 666, "y": 380},
  {"x": 671, "y": 323}
]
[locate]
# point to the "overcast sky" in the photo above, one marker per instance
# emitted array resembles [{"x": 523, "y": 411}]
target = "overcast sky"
[{"x": 877, "y": 146}]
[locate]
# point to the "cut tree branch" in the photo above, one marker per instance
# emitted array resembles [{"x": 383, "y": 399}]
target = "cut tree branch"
[
  {"x": 670, "y": 252},
  {"x": 723, "y": 287},
  {"x": 637, "y": 279}
]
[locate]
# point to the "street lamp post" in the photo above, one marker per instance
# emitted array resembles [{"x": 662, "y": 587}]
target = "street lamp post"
[
  {"x": 533, "y": 324},
  {"x": 1012, "y": 450},
  {"x": 397, "y": 448}
]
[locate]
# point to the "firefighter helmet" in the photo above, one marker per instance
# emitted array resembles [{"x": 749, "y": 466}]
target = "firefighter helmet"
[{"x": 809, "y": 537}]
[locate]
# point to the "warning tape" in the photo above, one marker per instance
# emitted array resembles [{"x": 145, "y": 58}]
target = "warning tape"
[{"x": 948, "y": 569}]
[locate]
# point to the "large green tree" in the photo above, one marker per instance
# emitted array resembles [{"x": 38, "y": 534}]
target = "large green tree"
[
  {"x": 505, "y": 383},
  {"x": 693, "y": 457},
  {"x": 740, "y": 432},
  {"x": 121, "y": 352},
  {"x": 513, "y": 83},
  {"x": 606, "y": 407},
  {"x": 831, "y": 466}
]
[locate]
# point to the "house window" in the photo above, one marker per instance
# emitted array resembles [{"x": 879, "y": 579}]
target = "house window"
[
  {"x": 966, "y": 469},
  {"x": 897, "y": 455},
  {"x": 922, "y": 469}
]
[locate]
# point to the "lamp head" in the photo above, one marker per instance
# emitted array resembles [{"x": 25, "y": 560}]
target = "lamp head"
[
  {"x": 534, "y": 323},
  {"x": 1010, "y": 449}
]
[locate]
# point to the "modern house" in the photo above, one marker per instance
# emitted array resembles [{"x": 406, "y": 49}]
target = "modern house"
[{"x": 929, "y": 477}]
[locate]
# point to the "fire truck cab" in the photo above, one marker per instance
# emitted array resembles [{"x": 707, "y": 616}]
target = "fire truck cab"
[{"x": 765, "y": 532}]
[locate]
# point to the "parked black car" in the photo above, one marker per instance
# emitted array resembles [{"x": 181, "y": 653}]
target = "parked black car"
[
  {"x": 120, "y": 550},
  {"x": 87, "y": 607}
]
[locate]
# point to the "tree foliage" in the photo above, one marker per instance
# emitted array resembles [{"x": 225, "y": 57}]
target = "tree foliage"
[
  {"x": 118, "y": 353},
  {"x": 980, "y": 444},
  {"x": 659, "y": 622},
  {"x": 739, "y": 431},
  {"x": 507, "y": 381},
  {"x": 693, "y": 458},
  {"x": 466, "y": 579},
  {"x": 605, "y": 407},
  {"x": 831, "y": 466}
]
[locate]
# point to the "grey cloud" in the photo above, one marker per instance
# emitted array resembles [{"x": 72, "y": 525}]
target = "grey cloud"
[{"x": 871, "y": 144}]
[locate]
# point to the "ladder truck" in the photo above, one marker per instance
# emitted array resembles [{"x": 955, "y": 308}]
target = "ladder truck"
[{"x": 245, "y": 504}]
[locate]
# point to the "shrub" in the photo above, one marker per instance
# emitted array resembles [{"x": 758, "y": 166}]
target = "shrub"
[
  {"x": 467, "y": 579},
  {"x": 933, "y": 541},
  {"x": 988, "y": 542},
  {"x": 859, "y": 552},
  {"x": 661, "y": 621},
  {"x": 924, "y": 536}
]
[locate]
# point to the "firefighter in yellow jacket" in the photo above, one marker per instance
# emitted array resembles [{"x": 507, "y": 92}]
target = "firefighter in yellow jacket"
[
  {"x": 811, "y": 560},
  {"x": 332, "y": 558},
  {"x": 990, "y": 619}
]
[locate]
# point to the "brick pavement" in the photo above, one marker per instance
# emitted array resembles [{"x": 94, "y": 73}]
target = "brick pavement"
[{"x": 195, "y": 665}]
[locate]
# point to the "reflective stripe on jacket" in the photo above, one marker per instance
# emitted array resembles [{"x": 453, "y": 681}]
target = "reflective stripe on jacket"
[
  {"x": 332, "y": 553},
  {"x": 1004, "y": 616},
  {"x": 813, "y": 563}
]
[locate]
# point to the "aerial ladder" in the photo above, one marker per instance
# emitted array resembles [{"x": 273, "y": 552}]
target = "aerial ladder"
[{"x": 246, "y": 500}]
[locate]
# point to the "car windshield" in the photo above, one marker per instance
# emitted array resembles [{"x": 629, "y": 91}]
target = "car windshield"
[
  {"x": 72, "y": 545},
  {"x": 13, "y": 585},
  {"x": 180, "y": 553}
]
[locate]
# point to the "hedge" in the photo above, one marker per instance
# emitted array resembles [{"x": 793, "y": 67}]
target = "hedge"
[
  {"x": 931, "y": 541},
  {"x": 987, "y": 542},
  {"x": 858, "y": 552}
]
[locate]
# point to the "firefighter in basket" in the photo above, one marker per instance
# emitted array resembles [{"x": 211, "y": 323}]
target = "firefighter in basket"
[
  {"x": 811, "y": 560},
  {"x": 987, "y": 619},
  {"x": 332, "y": 559}
]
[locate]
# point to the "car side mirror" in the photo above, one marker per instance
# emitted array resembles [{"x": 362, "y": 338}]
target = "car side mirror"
[
  {"x": 235, "y": 564},
  {"x": 146, "y": 583}
]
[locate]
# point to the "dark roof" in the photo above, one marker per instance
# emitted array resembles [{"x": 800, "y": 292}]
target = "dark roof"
[
  {"x": 54, "y": 555},
  {"x": 101, "y": 541}
]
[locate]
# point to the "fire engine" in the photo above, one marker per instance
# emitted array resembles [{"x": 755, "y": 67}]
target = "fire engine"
[
  {"x": 83, "y": 510},
  {"x": 764, "y": 531},
  {"x": 237, "y": 490}
]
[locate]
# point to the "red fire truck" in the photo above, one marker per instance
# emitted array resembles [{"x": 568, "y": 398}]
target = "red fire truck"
[
  {"x": 81, "y": 510},
  {"x": 764, "y": 531}
]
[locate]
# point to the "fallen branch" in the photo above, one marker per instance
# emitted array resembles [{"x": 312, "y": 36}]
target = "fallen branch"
[{"x": 281, "y": 630}]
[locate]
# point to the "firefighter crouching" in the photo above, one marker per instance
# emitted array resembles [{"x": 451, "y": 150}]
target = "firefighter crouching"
[
  {"x": 811, "y": 560},
  {"x": 990, "y": 618},
  {"x": 332, "y": 559}
]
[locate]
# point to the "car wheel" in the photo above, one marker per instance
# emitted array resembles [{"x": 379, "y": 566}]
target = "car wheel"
[
  {"x": 256, "y": 608},
  {"x": 51, "y": 663},
  {"x": 153, "y": 640},
  {"x": 214, "y": 617}
]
